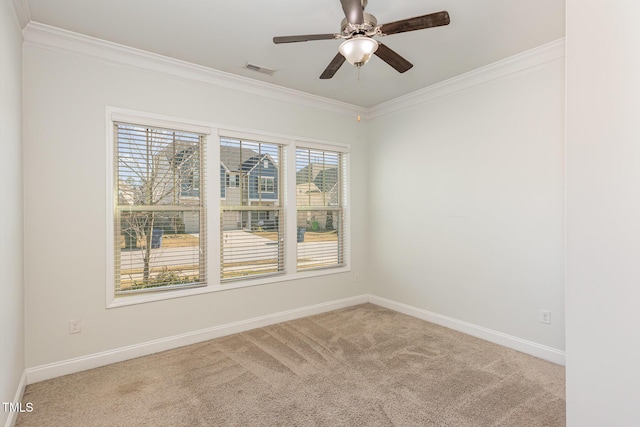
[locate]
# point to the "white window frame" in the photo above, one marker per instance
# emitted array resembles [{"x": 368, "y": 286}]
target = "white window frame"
[{"x": 212, "y": 155}]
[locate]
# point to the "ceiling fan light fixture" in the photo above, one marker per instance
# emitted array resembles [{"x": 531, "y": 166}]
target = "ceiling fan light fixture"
[{"x": 358, "y": 50}]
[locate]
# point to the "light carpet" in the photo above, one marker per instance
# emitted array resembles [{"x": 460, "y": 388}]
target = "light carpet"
[{"x": 359, "y": 366}]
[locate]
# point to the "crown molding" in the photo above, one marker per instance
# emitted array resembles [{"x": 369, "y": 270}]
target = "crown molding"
[
  {"x": 22, "y": 12},
  {"x": 529, "y": 59},
  {"x": 52, "y": 38}
]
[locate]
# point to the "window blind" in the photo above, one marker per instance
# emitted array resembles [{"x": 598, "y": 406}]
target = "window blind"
[
  {"x": 320, "y": 190},
  {"x": 252, "y": 218},
  {"x": 160, "y": 218}
]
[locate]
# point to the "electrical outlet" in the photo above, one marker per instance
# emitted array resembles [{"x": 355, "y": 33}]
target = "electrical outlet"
[
  {"x": 75, "y": 326},
  {"x": 545, "y": 317}
]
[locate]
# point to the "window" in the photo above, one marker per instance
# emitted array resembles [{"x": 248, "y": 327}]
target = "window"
[
  {"x": 163, "y": 240},
  {"x": 232, "y": 180},
  {"x": 251, "y": 218},
  {"x": 159, "y": 217},
  {"x": 267, "y": 184},
  {"x": 320, "y": 196}
]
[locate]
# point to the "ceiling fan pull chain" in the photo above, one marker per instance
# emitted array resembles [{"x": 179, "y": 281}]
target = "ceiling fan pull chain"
[{"x": 358, "y": 67}]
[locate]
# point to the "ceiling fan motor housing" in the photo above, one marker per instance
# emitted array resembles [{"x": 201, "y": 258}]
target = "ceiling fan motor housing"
[{"x": 368, "y": 27}]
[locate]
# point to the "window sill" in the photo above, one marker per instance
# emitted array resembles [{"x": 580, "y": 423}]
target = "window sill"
[{"x": 123, "y": 301}]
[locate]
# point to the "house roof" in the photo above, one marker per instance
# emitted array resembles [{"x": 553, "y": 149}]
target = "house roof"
[
  {"x": 243, "y": 160},
  {"x": 324, "y": 178},
  {"x": 308, "y": 173},
  {"x": 233, "y": 158},
  {"x": 253, "y": 162},
  {"x": 306, "y": 188}
]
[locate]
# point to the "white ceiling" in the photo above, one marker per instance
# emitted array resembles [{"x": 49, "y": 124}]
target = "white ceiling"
[{"x": 226, "y": 34}]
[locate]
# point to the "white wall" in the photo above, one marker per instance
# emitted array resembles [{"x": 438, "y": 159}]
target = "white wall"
[
  {"x": 11, "y": 223},
  {"x": 603, "y": 213},
  {"x": 466, "y": 204},
  {"x": 65, "y": 210}
]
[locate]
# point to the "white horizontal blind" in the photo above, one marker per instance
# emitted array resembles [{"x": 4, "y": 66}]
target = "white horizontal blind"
[
  {"x": 252, "y": 218},
  {"x": 320, "y": 189},
  {"x": 160, "y": 218}
]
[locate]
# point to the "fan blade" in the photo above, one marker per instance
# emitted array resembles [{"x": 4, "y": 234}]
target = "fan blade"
[
  {"x": 392, "y": 58},
  {"x": 418, "y": 23},
  {"x": 308, "y": 37},
  {"x": 333, "y": 67},
  {"x": 353, "y": 11}
]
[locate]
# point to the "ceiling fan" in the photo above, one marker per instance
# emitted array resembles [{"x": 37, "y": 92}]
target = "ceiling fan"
[{"x": 358, "y": 29}]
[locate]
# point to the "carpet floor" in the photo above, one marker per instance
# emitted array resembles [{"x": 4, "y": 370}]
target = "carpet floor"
[{"x": 359, "y": 366}]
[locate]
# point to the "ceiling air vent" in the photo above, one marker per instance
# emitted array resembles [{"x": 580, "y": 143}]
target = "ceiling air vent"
[{"x": 259, "y": 69}]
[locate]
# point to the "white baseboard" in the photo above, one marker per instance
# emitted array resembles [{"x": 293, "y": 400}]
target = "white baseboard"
[
  {"x": 13, "y": 416},
  {"x": 519, "y": 344},
  {"x": 70, "y": 366}
]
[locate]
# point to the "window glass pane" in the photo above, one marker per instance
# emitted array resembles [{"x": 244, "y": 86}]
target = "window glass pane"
[
  {"x": 319, "y": 193},
  {"x": 251, "y": 243},
  {"x": 159, "y": 221},
  {"x": 157, "y": 167},
  {"x": 155, "y": 251},
  {"x": 319, "y": 240},
  {"x": 252, "y": 240}
]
